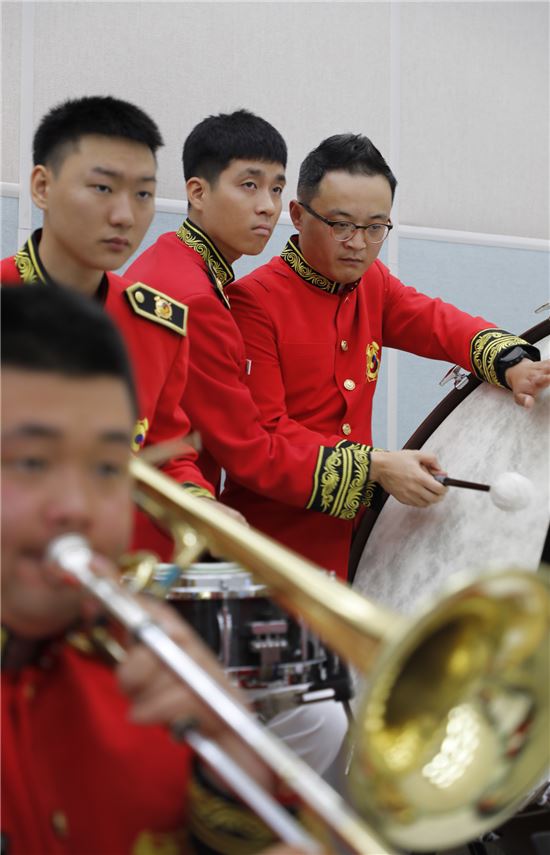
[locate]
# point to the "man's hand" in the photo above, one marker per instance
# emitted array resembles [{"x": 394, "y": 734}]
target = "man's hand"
[
  {"x": 527, "y": 379},
  {"x": 408, "y": 476},
  {"x": 231, "y": 512}
]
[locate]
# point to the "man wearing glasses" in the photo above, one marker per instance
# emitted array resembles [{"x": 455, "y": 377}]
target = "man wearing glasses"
[{"x": 314, "y": 321}]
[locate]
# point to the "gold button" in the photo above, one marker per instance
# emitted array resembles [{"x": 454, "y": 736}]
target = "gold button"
[
  {"x": 59, "y": 823},
  {"x": 346, "y": 429},
  {"x": 344, "y": 344},
  {"x": 140, "y": 297},
  {"x": 29, "y": 691},
  {"x": 349, "y": 385}
]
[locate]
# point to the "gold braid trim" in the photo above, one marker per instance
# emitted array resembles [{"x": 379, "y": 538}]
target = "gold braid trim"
[
  {"x": 341, "y": 480},
  {"x": 224, "y": 825},
  {"x": 195, "y": 490},
  {"x": 26, "y": 264},
  {"x": 220, "y": 271},
  {"x": 485, "y": 348},
  {"x": 294, "y": 258}
]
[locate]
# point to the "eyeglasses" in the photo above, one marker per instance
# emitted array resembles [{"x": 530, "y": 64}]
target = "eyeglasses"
[{"x": 341, "y": 231}]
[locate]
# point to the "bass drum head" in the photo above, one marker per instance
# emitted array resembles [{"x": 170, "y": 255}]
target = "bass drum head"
[{"x": 403, "y": 554}]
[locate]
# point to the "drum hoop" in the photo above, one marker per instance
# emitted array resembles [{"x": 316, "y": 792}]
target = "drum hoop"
[
  {"x": 257, "y": 591},
  {"x": 417, "y": 440},
  {"x": 205, "y": 581}
]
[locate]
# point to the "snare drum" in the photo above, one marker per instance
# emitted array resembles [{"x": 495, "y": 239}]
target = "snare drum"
[
  {"x": 401, "y": 553},
  {"x": 256, "y": 642}
]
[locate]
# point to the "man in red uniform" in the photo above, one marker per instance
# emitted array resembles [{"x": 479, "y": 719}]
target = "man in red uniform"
[
  {"x": 234, "y": 167},
  {"x": 86, "y": 766},
  {"x": 315, "y": 320},
  {"x": 94, "y": 179}
]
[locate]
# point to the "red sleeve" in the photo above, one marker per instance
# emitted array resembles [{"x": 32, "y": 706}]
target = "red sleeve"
[
  {"x": 428, "y": 326},
  {"x": 170, "y": 423}
]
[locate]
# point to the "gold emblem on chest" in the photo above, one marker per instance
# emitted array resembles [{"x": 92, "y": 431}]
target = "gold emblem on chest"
[
  {"x": 373, "y": 361},
  {"x": 140, "y": 434}
]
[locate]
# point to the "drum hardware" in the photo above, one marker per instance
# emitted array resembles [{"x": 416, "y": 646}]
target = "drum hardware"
[
  {"x": 436, "y": 761},
  {"x": 455, "y": 375},
  {"x": 225, "y": 626},
  {"x": 259, "y": 646},
  {"x": 268, "y": 640}
]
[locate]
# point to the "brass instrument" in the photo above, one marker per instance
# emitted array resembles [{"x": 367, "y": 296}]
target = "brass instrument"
[{"x": 452, "y": 733}]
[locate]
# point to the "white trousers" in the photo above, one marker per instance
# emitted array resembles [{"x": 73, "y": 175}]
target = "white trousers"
[{"x": 314, "y": 732}]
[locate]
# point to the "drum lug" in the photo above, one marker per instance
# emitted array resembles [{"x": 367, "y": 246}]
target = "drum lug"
[
  {"x": 225, "y": 626},
  {"x": 455, "y": 375},
  {"x": 269, "y": 639}
]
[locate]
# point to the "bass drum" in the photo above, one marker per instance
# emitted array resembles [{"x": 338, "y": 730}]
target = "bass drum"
[{"x": 402, "y": 554}]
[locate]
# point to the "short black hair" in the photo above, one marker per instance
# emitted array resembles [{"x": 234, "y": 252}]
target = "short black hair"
[
  {"x": 52, "y": 330},
  {"x": 64, "y": 125},
  {"x": 217, "y": 140},
  {"x": 353, "y": 153}
]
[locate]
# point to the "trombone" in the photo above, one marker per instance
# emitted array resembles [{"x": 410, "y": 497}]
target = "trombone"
[{"x": 452, "y": 733}]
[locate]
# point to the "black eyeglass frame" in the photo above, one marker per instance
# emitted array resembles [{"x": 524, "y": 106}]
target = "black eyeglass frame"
[{"x": 331, "y": 223}]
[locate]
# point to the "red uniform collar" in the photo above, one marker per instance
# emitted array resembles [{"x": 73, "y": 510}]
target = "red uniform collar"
[
  {"x": 32, "y": 271},
  {"x": 293, "y": 257},
  {"x": 219, "y": 270}
]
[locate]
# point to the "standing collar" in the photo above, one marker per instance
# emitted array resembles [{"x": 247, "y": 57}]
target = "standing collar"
[
  {"x": 27, "y": 261},
  {"x": 32, "y": 271},
  {"x": 219, "y": 270},
  {"x": 293, "y": 257},
  {"x": 19, "y": 652}
]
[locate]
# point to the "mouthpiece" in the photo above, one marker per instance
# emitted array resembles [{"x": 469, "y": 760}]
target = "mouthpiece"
[{"x": 71, "y": 552}]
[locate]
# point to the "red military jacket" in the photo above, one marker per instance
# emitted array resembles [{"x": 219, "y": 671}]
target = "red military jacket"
[
  {"x": 78, "y": 778},
  {"x": 314, "y": 350},
  {"x": 154, "y": 328},
  {"x": 187, "y": 266}
]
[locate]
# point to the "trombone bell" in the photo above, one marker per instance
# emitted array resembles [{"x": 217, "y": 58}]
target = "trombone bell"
[{"x": 453, "y": 731}]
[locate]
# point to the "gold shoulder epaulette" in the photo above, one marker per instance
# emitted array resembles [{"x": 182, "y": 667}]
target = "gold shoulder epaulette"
[{"x": 157, "y": 307}]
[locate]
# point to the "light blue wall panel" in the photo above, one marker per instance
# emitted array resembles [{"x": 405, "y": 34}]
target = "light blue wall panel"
[
  {"x": 502, "y": 285},
  {"x": 9, "y": 212}
]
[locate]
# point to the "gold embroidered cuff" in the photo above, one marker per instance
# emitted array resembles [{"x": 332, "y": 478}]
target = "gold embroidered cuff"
[
  {"x": 341, "y": 480},
  {"x": 485, "y": 349},
  {"x": 195, "y": 490},
  {"x": 219, "y": 822}
]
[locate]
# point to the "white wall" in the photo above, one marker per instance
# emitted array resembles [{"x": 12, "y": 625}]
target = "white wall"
[
  {"x": 455, "y": 94},
  {"x": 473, "y": 117}
]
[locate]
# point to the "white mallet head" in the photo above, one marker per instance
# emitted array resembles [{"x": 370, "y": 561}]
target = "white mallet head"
[{"x": 511, "y": 491}]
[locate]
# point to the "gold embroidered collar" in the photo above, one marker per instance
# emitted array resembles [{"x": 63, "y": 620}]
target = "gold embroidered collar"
[
  {"x": 32, "y": 271},
  {"x": 219, "y": 271},
  {"x": 27, "y": 261},
  {"x": 293, "y": 257}
]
